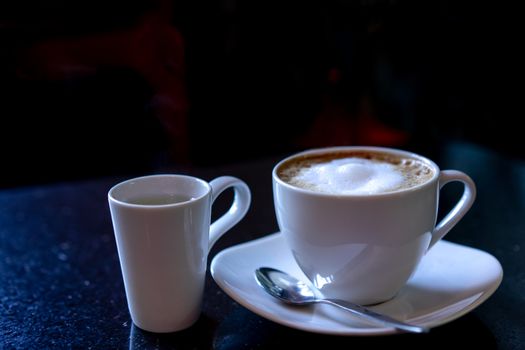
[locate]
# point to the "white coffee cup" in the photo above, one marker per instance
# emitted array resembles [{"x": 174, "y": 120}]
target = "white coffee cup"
[
  {"x": 364, "y": 247},
  {"x": 163, "y": 235}
]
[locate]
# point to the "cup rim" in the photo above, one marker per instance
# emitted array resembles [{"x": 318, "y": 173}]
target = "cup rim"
[
  {"x": 390, "y": 150},
  {"x": 115, "y": 187}
]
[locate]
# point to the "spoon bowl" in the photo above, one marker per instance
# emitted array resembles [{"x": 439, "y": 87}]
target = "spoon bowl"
[{"x": 293, "y": 291}]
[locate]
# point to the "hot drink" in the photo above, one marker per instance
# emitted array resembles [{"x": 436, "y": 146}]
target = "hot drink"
[
  {"x": 358, "y": 220},
  {"x": 354, "y": 172}
]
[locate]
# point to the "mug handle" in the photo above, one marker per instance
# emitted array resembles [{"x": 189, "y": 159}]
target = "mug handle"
[
  {"x": 460, "y": 209},
  {"x": 239, "y": 207}
]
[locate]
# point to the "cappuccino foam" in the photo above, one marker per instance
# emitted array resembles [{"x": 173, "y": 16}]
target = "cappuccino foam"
[{"x": 354, "y": 174}]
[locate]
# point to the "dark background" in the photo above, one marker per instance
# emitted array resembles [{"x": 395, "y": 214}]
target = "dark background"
[{"x": 95, "y": 88}]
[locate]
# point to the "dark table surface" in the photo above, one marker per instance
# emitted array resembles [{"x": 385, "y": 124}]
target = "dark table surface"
[{"x": 61, "y": 285}]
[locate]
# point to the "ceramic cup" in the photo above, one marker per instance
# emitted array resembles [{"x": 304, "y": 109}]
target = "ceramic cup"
[
  {"x": 364, "y": 247},
  {"x": 163, "y": 235}
]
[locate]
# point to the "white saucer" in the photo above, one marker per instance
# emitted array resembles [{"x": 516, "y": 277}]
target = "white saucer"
[{"x": 450, "y": 281}]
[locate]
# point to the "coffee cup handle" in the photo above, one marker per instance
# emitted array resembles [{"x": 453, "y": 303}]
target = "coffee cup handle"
[
  {"x": 460, "y": 209},
  {"x": 239, "y": 207}
]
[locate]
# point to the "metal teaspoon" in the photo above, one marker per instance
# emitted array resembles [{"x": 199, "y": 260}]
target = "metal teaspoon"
[{"x": 292, "y": 291}]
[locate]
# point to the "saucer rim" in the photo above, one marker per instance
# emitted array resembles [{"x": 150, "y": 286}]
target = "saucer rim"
[{"x": 351, "y": 331}]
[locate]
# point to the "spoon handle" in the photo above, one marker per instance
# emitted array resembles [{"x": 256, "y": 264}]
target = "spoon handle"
[{"x": 373, "y": 316}]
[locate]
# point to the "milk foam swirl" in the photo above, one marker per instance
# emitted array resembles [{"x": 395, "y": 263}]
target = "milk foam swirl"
[{"x": 350, "y": 176}]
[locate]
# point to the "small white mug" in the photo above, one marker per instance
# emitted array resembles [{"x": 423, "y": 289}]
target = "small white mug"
[
  {"x": 364, "y": 247},
  {"x": 163, "y": 236}
]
